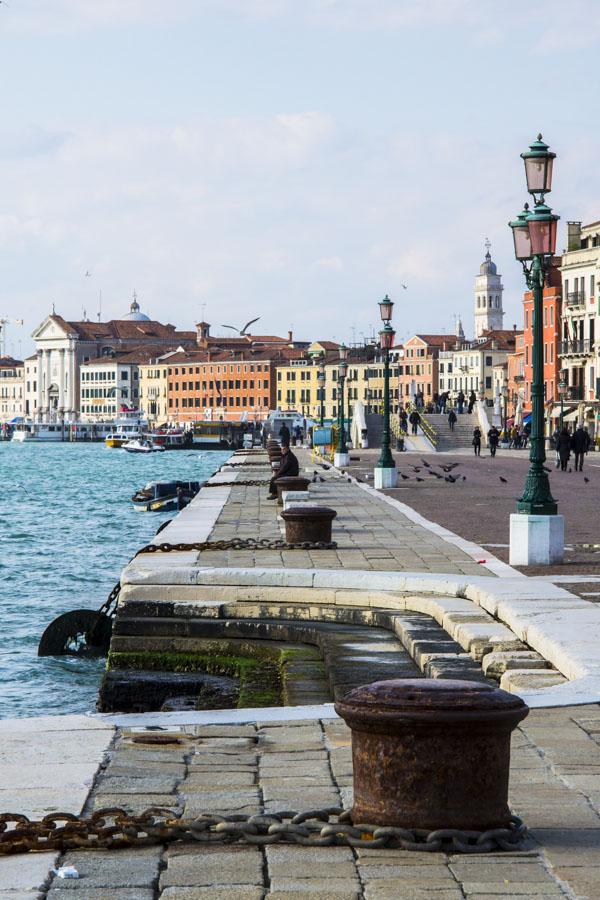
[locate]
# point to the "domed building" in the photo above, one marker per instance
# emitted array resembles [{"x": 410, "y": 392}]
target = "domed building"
[
  {"x": 135, "y": 314},
  {"x": 488, "y": 297}
]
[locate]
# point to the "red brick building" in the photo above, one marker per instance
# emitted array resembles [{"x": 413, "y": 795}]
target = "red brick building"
[
  {"x": 221, "y": 385},
  {"x": 551, "y": 313},
  {"x": 419, "y": 369}
]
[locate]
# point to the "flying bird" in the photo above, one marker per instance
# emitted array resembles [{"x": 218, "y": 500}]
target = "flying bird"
[
  {"x": 88, "y": 274},
  {"x": 503, "y": 480},
  {"x": 450, "y": 478},
  {"x": 426, "y": 464},
  {"x": 405, "y": 287},
  {"x": 449, "y": 467},
  {"x": 242, "y": 331}
]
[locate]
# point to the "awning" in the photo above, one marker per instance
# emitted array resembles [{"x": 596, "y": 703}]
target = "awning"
[
  {"x": 571, "y": 416},
  {"x": 555, "y": 414},
  {"x": 527, "y": 418}
]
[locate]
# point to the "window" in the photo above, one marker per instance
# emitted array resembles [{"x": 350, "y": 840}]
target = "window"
[
  {"x": 488, "y": 381},
  {"x": 488, "y": 360},
  {"x": 552, "y": 315},
  {"x": 527, "y": 317},
  {"x": 592, "y": 287}
]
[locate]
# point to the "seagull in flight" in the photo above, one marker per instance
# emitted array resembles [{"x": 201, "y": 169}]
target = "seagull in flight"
[
  {"x": 242, "y": 331},
  {"x": 88, "y": 274}
]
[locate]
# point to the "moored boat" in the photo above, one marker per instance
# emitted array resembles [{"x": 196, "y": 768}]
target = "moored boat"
[{"x": 163, "y": 496}]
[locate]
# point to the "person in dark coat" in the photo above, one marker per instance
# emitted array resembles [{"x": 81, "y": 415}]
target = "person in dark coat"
[
  {"x": 284, "y": 435},
  {"x": 472, "y": 401},
  {"x": 451, "y": 419},
  {"x": 414, "y": 420},
  {"x": 289, "y": 468},
  {"x": 477, "y": 441},
  {"x": 580, "y": 444},
  {"x": 460, "y": 401},
  {"x": 563, "y": 446},
  {"x": 493, "y": 440},
  {"x": 403, "y": 416}
]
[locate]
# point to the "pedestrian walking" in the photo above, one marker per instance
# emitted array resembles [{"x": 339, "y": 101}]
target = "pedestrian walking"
[
  {"x": 284, "y": 435},
  {"x": 563, "y": 446},
  {"x": 451, "y": 419},
  {"x": 580, "y": 444},
  {"x": 493, "y": 437},
  {"x": 476, "y": 441},
  {"x": 460, "y": 401},
  {"x": 472, "y": 401},
  {"x": 443, "y": 401},
  {"x": 414, "y": 420},
  {"x": 403, "y": 415}
]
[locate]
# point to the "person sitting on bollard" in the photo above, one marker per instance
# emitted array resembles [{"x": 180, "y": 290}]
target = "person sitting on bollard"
[{"x": 289, "y": 468}]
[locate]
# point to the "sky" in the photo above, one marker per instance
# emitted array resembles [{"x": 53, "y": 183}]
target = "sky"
[{"x": 288, "y": 159}]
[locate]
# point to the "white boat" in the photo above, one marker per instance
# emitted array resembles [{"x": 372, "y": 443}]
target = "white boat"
[
  {"x": 142, "y": 446},
  {"x": 128, "y": 428},
  {"x": 40, "y": 431}
]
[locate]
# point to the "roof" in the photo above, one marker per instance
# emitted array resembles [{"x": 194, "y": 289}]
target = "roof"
[
  {"x": 326, "y": 345},
  {"x": 136, "y": 356},
  {"x": 7, "y": 362},
  {"x": 504, "y": 338},
  {"x": 120, "y": 329}
]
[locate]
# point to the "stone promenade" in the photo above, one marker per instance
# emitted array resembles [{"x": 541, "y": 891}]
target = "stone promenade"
[{"x": 389, "y": 562}]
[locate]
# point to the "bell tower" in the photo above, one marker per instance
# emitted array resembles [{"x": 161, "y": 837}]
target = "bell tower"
[{"x": 488, "y": 296}]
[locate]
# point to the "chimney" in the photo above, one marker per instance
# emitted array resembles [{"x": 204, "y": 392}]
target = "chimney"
[
  {"x": 290, "y": 337},
  {"x": 573, "y": 235},
  {"x": 202, "y": 333}
]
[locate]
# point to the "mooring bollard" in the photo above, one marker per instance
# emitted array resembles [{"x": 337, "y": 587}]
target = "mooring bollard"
[
  {"x": 290, "y": 483},
  {"x": 431, "y": 753},
  {"x": 308, "y": 523}
]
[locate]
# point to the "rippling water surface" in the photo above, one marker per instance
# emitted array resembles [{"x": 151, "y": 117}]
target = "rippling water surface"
[{"x": 67, "y": 527}]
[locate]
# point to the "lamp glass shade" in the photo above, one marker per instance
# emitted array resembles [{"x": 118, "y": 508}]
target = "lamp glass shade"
[
  {"x": 343, "y": 351},
  {"x": 342, "y": 368},
  {"x": 542, "y": 232},
  {"x": 539, "y": 162},
  {"x": 386, "y": 338},
  {"x": 385, "y": 308},
  {"x": 562, "y": 387},
  {"x": 520, "y": 230}
]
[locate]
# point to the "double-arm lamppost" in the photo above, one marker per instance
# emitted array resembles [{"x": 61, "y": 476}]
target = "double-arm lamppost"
[
  {"x": 386, "y": 474},
  {"x": 534, "y": 235},
  {"x": 321, "y": 382},
  {"x": 562, "y": 391},
  {"x": 341, "y": 455}
]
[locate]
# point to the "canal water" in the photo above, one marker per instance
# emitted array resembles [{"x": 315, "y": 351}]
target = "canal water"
[{"x": 67, "y": 528}]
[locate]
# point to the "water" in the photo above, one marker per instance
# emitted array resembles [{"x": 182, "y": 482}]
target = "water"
[{"x": 67, "y": 528}]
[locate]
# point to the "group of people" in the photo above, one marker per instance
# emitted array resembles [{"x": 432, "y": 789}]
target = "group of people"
[
  {"x": 493, "y": 438},
  {"x": 442, "y": 401},
  {"x": 564, "y": 443}
]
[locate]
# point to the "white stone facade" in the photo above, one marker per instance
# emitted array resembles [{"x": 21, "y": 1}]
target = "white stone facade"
[
  {"x": 59, "y": 354},
  {"x": 108, "y": 387},
  {"x": 580, "y": 340},
  {"x": 488, "y": 297}
]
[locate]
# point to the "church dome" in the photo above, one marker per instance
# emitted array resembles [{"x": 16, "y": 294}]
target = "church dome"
[
  {"x": 135, "y": 314},
  {"x": 488, "y": 267}
]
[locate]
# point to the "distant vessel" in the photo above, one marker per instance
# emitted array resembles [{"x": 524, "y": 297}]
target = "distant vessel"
[
  {"x": 142, "y": 446},
  {"x": 161, "y": 496},
  {"x": 40, "y": 431},
  {"x": 128, "y": 428}
]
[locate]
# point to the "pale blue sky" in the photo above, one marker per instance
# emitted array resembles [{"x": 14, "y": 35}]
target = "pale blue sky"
[{"x": 293, "y": 159}]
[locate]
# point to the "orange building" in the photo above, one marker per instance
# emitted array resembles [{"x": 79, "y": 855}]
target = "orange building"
[
  {"x": 419, "y": 370},
  {"x": 515, "y": 372},
  {"x": 220, "y": 386},
  {"x": 551, "y": 313}
]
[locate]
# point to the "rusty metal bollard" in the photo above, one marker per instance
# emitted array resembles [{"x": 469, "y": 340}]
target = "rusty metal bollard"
[
  {"x": 308, "y": 523},
  {"x": 290, "y": 483},
  {"x": 431, "y": 753}
]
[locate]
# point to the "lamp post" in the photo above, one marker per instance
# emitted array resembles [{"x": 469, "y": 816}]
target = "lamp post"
[
  {"x": 505, "y": 398},
  {"x": 562, "y": 390},
  {"x": 386, "y": 474},
  {"x": 537, "y": 532},
  {"x": 341, "y": 456},
  {"x": 321, "y": 381}
]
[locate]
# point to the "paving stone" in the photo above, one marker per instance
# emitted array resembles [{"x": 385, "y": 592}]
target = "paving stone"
[
  {"x": 215, "y": 892},
  {"x": 26, "y": 873},
  {"x": 59, "y": 889},
  {"x": 347, "y": 886},
  {"x": 213, "y": 865},
  {"x": 389, "y": 890},
  {"x": 126, "y": 869}
]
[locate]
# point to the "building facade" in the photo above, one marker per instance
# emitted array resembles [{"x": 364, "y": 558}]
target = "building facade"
[
  {"x": 419, "y": 369},
  {"x": 12, "y": 388},
  {"x": 552, "y": 308},
  {"x": 580, "y": 340},
  {"x": 470, "y": 365},
  {"x": 489, "y": 313}
]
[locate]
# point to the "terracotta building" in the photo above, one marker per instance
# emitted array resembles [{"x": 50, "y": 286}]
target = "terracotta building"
[
  {"x": 551, "y": 313},
  {"x": 224, "y": 385},
  {"x": 419, "y": 371}
]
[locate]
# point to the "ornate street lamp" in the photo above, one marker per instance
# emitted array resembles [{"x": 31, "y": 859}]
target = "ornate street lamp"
[
  {"x": 342, "y": 450},
  {"x": 505, "y": 398},
  {"x": 534, "y": 234},
  {"x": 562, "y": 391},
  {"x": 321, "y": 381},
  {"x": 386, "y": 474}
]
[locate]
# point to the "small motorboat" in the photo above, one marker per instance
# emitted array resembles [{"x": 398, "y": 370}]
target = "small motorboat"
[
  {"x": 163, "y": 496},
  {"x": 141, "y": 445}
]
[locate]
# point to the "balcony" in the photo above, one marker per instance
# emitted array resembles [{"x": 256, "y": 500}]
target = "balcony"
[
  {"x": 576, "y": 298},
  {"x": 575, "y": 348}
]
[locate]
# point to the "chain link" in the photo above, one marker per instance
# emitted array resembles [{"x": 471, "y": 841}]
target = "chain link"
[
  {"x": 238, "y": 544},
  {"x": 113, "y": 828},
  {"x": 249, "y": 483}
]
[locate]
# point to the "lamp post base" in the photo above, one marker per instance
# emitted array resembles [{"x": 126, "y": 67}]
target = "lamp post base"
[
  {"x": 341, "y": 460},
  {"x": 536, "y": 540},
  {"x": 385, "y": 477}
]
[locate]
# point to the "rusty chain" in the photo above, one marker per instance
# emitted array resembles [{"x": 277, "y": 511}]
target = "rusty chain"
[
  {"x": 113, "y": 828},
  {"x": 238, "y": 544},
  {"x": 250, "y": 483}
]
